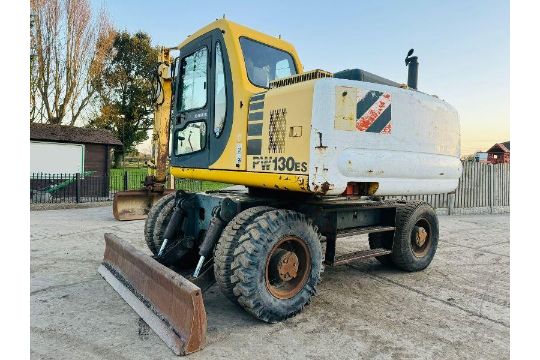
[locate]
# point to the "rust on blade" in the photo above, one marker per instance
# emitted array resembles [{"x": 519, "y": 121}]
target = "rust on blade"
[
  {"x": 171, "y": 305},
  {"x": 135, "y": 204}
]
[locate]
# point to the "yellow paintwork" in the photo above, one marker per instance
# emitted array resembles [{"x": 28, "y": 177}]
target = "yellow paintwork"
[
  {"x": 264, "y": 180},
  {"x": 160, "y": 133},
  {"x": 297, "y": 99},
  {"x": 243, "y": 89},
  {"x": 346, "y": 99}
]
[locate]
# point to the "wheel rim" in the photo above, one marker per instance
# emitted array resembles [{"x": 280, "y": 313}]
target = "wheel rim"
[
  {"x": 421, "y": 238},
  {"x": 287, "y": 267}
]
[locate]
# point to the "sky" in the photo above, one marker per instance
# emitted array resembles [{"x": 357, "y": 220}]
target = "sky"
[{"x": 462, "y": 46}]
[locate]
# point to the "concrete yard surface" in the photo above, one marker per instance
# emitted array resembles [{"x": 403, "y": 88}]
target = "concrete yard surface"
[{"x": 458, "y": 308}]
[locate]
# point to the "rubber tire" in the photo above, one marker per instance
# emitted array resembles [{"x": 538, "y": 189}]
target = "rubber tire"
[
  {"x": 161, "y": 224},
  {"x": 250, "y": 262},
  {"x": 150, "y": 223},
  {"x": 382, "y": 240},
  {"x": 190, "y": 259},
  {"x": 406, "y": 217},
  {"x": 227, "y": 243}
]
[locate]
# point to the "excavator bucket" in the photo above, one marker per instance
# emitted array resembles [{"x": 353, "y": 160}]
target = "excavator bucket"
[
  {"x": 135, "y": 204},
  {"x": 170, "y": 304}
]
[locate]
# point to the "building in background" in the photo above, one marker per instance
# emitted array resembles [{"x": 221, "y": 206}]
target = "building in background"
[
  {"x": 70, "y": 164},
  {"x": 60, "y": 149},
  {"x": 481, "y": 157},
  {"x": 499, "y": 153}
]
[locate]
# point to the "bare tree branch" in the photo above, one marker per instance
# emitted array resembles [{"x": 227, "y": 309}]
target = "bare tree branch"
[{"x": 70, "y": 46}]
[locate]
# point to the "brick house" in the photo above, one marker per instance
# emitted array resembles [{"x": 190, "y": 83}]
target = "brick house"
[{"x": 499, "y": 153}]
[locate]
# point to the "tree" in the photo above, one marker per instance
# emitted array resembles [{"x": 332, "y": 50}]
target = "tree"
[
  {"x": 70, "y": 46},
  {"x": 126, "y": 90},
  {"x": 469, "y": 157}
]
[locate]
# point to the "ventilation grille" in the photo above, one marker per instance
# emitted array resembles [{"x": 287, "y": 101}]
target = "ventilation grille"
[
  {"x": 310, "y": 75},
  {"x": 276, "y": 131}
]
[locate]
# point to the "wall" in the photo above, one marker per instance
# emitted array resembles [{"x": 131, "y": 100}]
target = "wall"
[
  {"x": 96, "y": 159},
  {"x": 56, "y": 158}
]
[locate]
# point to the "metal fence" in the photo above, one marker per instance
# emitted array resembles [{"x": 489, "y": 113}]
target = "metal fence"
[
  {"x": 88, "y": 187},
  {"x": 482, "y": 188}
]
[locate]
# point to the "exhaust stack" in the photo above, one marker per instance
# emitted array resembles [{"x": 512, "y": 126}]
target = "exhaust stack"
[{"x": 412, "y": 63}]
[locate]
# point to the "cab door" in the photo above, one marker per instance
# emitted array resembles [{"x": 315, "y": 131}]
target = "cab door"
[
  {"x": 190, "y": 147},
  {"x": 203, "y": 103}
]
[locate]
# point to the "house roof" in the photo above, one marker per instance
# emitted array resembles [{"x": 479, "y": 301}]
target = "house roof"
[
  {"x": 504, "y": 147},
  {"x": 72, "y": 134}
]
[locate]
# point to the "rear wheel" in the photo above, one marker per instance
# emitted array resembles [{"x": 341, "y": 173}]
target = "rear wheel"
[
  {"x": 227, "y": 243},
  {"x": 150, "y": 224},
  {"x": 277, "y": 265},
  {"x": 416, "y": 236}
]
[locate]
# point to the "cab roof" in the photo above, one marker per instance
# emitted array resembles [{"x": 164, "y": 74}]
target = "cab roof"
[{"x": 237, "y": 30}]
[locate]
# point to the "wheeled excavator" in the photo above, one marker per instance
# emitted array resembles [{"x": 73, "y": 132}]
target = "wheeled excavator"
[{"x": 318, "y": 155}]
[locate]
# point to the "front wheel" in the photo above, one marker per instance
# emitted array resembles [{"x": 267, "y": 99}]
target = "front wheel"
[{"x": 277, "y": 265}]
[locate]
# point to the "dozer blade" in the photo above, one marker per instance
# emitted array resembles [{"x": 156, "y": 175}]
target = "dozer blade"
[
  {"x": 171, "y": 305},
  {"x": 135, "y": 204}
]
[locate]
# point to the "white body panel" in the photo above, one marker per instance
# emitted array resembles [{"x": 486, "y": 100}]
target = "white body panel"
[
  {"x": 420, "y": 155},
  {"x": 56, "y": 158}
]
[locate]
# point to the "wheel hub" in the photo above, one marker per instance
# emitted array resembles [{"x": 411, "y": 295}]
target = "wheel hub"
[
  {"x": 287, "y": 267},
  {"x": 421, "y": 236}
]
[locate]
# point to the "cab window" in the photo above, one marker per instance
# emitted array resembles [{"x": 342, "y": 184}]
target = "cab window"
[
  {"x": 220, "y": 106},
  {"x": 191, "y": 139},
  {"x": 193, "y": 80},
  {"x": 265, "y": 63}
]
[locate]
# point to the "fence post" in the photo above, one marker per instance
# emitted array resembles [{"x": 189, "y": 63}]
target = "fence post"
[
  {"x": 126, "y": 181},
  {"x": 496, "y": 170},
  {"x": 491, "y": 188},
  {"x": 451, "y": 203},
  {"x": 77, "y": 188}
]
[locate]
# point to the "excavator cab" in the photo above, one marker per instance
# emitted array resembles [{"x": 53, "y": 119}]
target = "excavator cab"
[{"x": 209, "y": 115}]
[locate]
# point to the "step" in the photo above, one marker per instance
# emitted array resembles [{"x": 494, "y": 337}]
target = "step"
[
  {"x": 364, "y": 230},
  {"x": 359, "y": 255}
]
